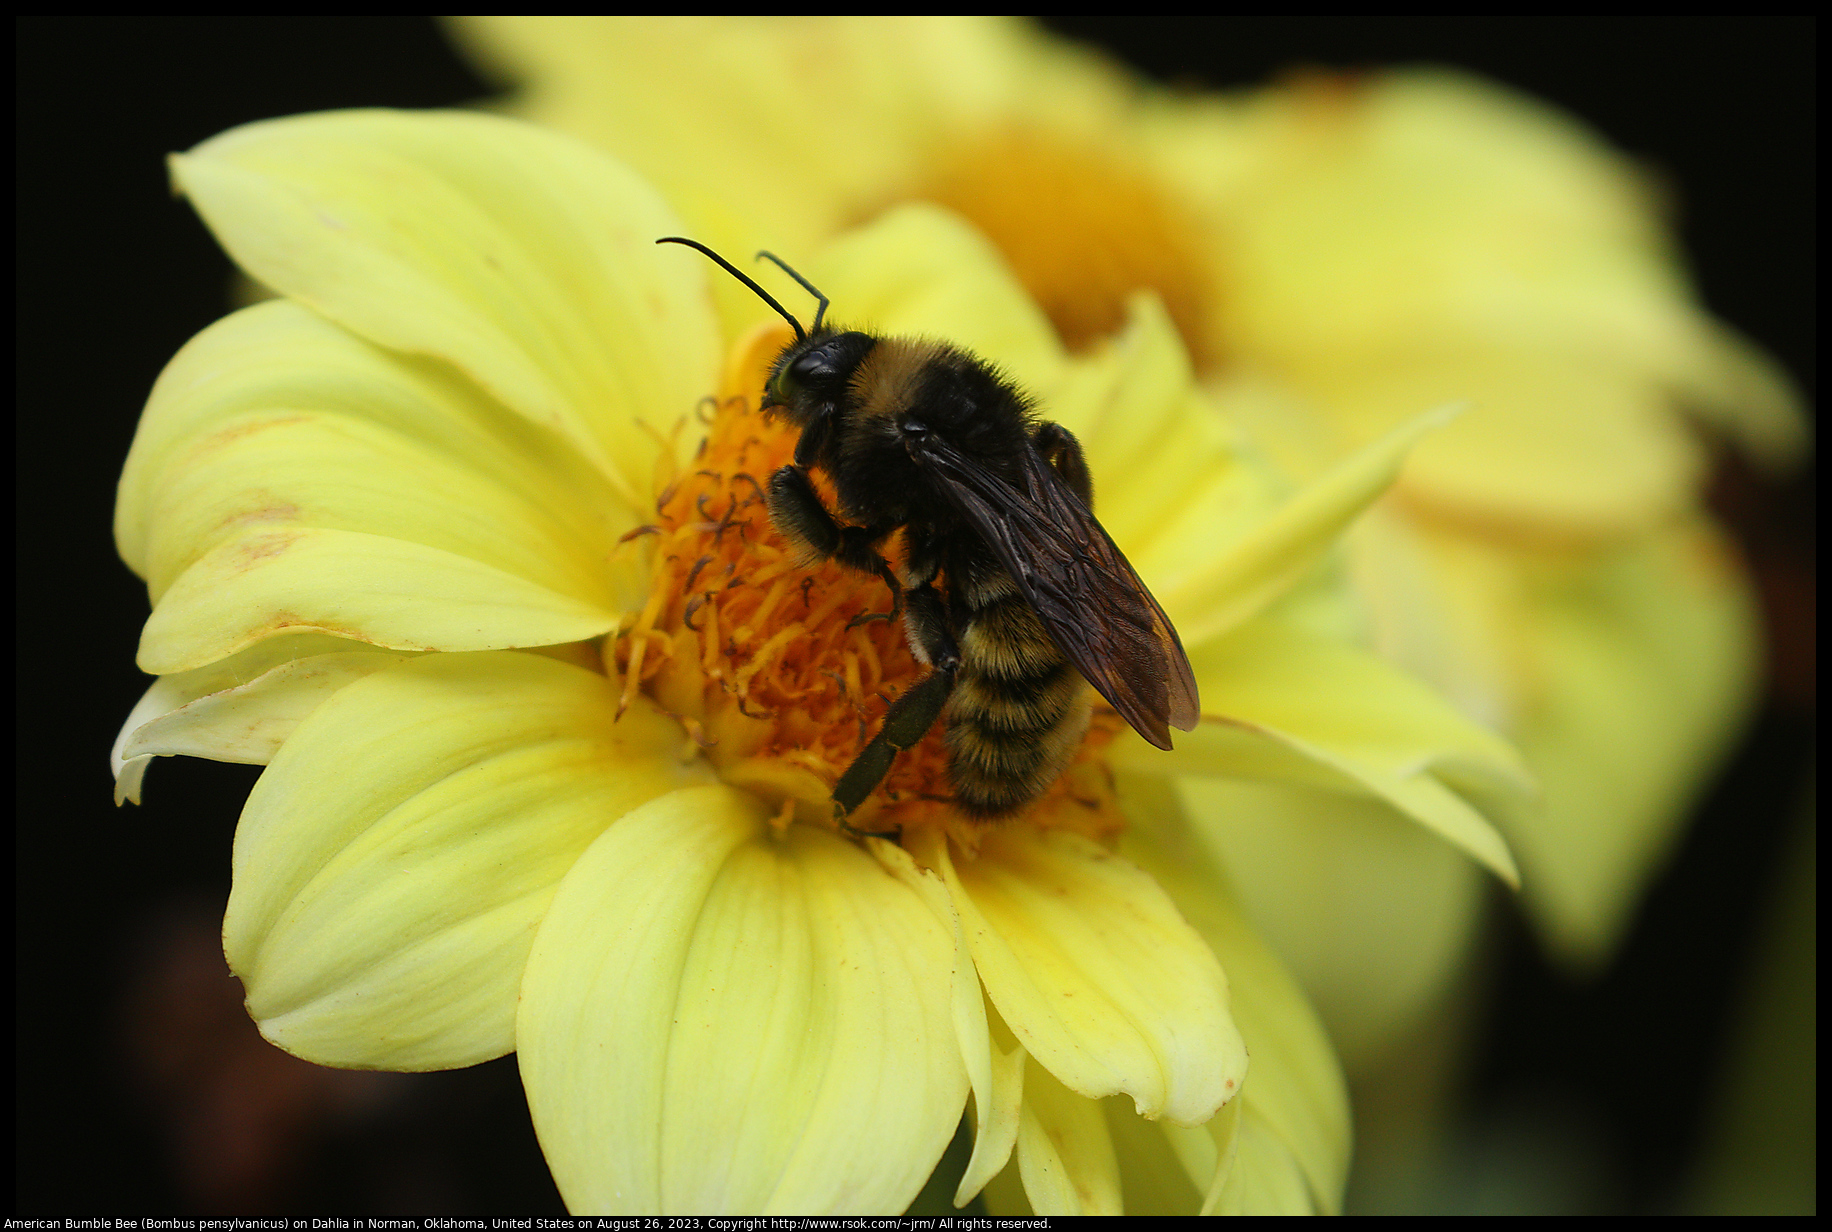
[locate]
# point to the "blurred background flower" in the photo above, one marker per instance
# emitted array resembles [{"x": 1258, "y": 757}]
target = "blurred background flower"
[{"x": 92, "y": 192}]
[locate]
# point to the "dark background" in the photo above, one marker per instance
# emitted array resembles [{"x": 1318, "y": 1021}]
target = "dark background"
[{"x": 140, "y": 1087}]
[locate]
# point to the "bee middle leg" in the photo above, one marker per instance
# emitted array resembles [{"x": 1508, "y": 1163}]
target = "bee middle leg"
[{"x": 797, "y": 512}]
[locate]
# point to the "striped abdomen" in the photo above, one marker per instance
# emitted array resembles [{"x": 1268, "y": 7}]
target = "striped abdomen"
[{"x": 1018, "y": 709}]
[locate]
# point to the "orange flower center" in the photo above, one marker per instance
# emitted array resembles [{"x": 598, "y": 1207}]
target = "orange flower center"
[
  {"x": 1082, "y": 228},
  {"x": 782, "y": 673}
]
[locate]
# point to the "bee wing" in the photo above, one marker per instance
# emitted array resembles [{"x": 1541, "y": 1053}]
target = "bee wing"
[{"x": 1090, "y": 599}]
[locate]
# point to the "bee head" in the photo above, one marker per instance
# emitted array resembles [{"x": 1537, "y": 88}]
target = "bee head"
[
  {"x": 810, "y": 378},
  {"x": 808, "y": 381}
]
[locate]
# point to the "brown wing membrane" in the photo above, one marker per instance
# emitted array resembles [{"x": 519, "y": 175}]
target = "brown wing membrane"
[{"x": 1092, "y": 602}]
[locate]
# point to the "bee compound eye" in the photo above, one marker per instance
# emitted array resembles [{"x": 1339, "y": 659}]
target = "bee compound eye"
[{"x": 809, "y": 367}]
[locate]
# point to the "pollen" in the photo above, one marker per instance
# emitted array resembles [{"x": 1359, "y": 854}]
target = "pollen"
[
  {"x": 781, "y": 673},
  {"x": 1083, "y": 228}
]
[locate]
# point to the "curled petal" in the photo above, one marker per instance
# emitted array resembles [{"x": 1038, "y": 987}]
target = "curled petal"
[
  {"x": 236, "y": 722},
  {"x": 171, "y": 693}
]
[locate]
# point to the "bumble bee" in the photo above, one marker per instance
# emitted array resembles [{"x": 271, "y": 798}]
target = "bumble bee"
[{"x": 1012, "y": 593}]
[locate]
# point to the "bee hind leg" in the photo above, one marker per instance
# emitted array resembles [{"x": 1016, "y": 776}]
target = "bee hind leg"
[
  {"x": 913, "y": 714},
  {"x": 908, "y": 721}
]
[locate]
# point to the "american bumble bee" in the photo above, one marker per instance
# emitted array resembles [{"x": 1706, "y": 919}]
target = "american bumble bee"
[{"x": 1011, "y": 593}]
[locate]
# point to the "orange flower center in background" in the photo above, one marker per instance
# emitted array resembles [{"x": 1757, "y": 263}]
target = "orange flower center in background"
[
  {"x": 1082, "y": 228},
  {"x": 782, "y": 673}
]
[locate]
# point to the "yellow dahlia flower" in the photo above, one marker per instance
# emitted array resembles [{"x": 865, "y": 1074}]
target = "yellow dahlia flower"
[
  {"x": 1335, "y": 252},
  {"x": 460, "y": 537}
]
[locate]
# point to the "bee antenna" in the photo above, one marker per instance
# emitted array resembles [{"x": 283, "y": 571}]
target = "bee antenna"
[
  {"x": 762, "y": 294},
  {"x": 807, "y": 286}
]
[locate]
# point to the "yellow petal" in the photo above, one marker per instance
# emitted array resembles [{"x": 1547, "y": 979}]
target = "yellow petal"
[
  {"x": 1554, "y": 445},
  {"x": 717, "y": 1021},
  {"x": 1384, "y": 206},
  {"x": 1374, "y": 914},
  {"x": 995, "y": 1071},
  {"x": 1065, "y": 1156},
  {"x": 1426, "y": 235},
  {"x": 1163, "y": 461},
  {"x": 370, "y": 588},
  {"x": 1642, "y": 665},
  {"x": 274, "y": 418},
  {"x": 1620, "y": 673},
  {"x": 997, "y": 1120},
  {"x": 1264, "y": 1176},
  {"x": 521, "y": 257},
  {"x": 1294, "y": 1094},
  {"x": 1095, "y": 972},
  {"x": 1219, "y": 586},
  {"x": 393, "y": 861},
  {"x": 1285, "y": 704},
  {"x": 1443, "y": 607},
  {"x": 1153, "y": 1179},
  {"x": 1749, "y": 397},
  {"x": 1248, "y": 1168}
]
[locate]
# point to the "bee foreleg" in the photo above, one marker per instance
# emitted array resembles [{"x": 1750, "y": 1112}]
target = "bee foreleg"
[
  {"x": 908, "y": 721},
  {"x": 797, "y": 513},
  {"x": 1063, "y": 452}
]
